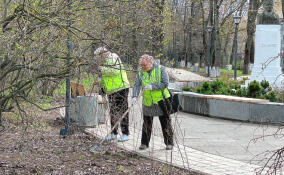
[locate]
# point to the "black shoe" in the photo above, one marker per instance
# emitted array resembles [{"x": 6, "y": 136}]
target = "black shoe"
[
  {"x": 169, "y": 147},
  {"x": 143, "y": 147}
]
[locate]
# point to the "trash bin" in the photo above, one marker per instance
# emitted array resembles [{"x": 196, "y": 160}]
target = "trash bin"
[{"x": 88, "y": 111}]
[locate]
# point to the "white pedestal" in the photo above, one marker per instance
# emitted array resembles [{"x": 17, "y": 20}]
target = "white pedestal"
[
  {"x": 214, "y": 72},
  {"x": 189, "y": 65},
  {"x": 250, "y": 66},
  {"x": 182, "y": 63},
  {"x": 229, "y": 67},
  {"x": 267, "y": 55}
]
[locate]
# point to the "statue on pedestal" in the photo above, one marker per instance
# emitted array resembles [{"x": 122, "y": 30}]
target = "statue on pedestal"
[{"x": 268, "y": 16}]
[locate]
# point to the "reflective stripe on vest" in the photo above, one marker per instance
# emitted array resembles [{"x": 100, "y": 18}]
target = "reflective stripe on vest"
[{"x": 153, "y": 96}]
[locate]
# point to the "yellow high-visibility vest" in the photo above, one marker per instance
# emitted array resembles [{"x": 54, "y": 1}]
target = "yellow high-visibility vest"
[
  {"x": 114, "y": 77},
  {"x": 153, "y": 96}
]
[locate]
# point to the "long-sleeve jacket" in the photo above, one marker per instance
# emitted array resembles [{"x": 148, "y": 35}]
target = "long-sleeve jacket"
[
  {"x": 156, "y": 86},
  {"x": 153, "y": 110}
]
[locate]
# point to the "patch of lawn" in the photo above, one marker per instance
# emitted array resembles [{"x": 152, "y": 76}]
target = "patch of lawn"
[
  {"x": 87, "y": 81},
  {"x": 231, "y": 72},
  {"x": 61, "y": 88},
  {"x": 45, "y": 105},
  {"x": 226, "y": 72}
]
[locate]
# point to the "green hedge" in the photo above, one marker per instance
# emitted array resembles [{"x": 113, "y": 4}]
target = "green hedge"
[{"x": 254, "y": 90}]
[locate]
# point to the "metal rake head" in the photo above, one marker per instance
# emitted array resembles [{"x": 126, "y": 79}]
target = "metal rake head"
[{"x": 97, "y": 147}]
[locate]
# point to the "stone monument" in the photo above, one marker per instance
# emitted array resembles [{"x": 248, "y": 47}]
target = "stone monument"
[
  {"x": 268, "y": 16},
  {"x": 268, "y": 48}
]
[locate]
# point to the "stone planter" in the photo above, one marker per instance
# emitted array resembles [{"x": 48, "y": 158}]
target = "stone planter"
[{"x": 234, "y": 108}]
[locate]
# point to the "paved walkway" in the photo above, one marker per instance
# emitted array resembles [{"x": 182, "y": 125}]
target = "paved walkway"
[
  {"x": 181, "y": 75},
  {"x": 207, "y": 145},
  {"x": 203, "y": 144}
]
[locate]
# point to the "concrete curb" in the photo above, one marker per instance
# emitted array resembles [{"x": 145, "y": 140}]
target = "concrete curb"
[{"x": 228, "y": 107}]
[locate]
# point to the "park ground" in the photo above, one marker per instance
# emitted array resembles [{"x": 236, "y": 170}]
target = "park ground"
[{"x": 33, "y": 146}]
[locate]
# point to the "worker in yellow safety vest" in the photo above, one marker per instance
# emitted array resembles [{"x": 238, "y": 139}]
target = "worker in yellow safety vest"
[
  {"x": 154, "y": 80},
  {"x": 114, "y": 83}
]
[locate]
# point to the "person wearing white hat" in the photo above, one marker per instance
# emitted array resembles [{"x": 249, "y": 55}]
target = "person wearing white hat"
[{"x": 115, "y": 84}]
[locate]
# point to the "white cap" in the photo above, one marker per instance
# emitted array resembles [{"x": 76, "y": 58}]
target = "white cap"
[{"x": 100, "y": 50}]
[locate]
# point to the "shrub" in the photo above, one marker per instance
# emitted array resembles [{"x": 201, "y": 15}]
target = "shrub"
[
  {"x": 280, "y": 97},
  {"x": 217, "y": 86},
  {"x": 264, "y": 84},
  {"x": 223, "y": 90},
  {"x": 204, "y": 88},
  {"x": 271, "y": 96},
  {"x": 234, "y": 85},
  {"x": 254, "y": 89},
  {"x": 186, "y": 88},
  {"x": 243, "y": 81},
  {"x": 242, "y": 92},
  {"x": 232, "y": 91}
]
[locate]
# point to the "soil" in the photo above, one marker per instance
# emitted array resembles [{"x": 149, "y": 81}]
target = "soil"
[{"x": 33, "y": 146}]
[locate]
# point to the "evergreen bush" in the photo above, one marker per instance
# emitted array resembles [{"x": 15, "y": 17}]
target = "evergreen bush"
[{"x": 225, "y": 87}]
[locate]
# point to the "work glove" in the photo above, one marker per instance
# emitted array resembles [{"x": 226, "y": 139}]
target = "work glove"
[
  {"x": 148, "y": 87},
  {"x": 134, "y": 100}
]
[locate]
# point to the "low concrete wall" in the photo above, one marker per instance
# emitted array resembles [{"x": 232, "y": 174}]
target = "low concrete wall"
[{"x": 244, "y": 109}]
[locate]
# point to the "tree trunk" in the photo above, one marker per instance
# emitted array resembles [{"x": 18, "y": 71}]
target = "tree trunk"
[
  {"x": 190, "y": 50},
  {"x": 249, "y": 49},
  {"x": 232, "y": 51},
  {"x": 135, "y": 48},
  {"x": 0, "y": 117},
  {"x": 225, "y": 52},
  {"x": 134, "y": 45},
  {"x": 5, "y": 5},
  {"x": 217, "y": 43},
  {"x": 185, "y": 24},
  {"x": 174, "y": 53},
  {"x": 157, "y": 31},
  {"x": 204, "y": 31},
  {"x": 5, "y": 9},
  {"x": 210, "y": 23},
  {"x": 282, "y": 4}
]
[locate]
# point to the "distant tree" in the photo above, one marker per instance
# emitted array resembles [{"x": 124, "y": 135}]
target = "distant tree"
[
  {"x": 251, "y": 24},
  {"x": 32, "y": 50},
  {"x": 282, "y": 5}
]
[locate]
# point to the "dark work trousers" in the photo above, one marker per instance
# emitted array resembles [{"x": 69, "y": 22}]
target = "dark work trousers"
[
  {"x": 166, "y": 125},
  {"x": 118, "y": 104}
]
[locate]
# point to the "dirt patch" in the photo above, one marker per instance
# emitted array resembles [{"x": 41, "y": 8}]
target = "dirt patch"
[{"x": 37, "y": 148}]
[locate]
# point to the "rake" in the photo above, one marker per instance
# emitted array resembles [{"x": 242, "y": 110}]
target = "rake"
[{"x": 98, "y": 146}]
